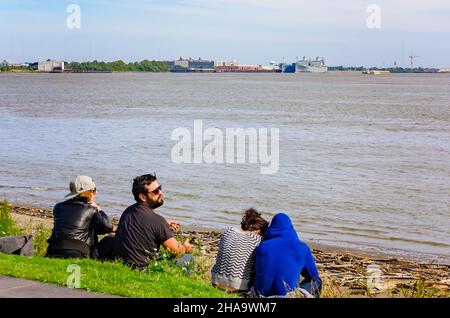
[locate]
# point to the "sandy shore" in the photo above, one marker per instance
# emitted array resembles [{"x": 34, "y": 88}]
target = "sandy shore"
[{"x": 344, "y": 271}]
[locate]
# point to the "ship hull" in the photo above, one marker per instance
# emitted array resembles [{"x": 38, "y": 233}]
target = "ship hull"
[{"x": 310, "y": 69}]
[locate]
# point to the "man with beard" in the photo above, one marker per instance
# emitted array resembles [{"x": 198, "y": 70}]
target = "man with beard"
[{"x": 141, "y": 231}]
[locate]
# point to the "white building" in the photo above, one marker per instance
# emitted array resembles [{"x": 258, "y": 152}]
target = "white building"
[
  {"x": 182, "y": 63},
  {"x": 50, "y": 65},
  {"x": 226, "y": 63}
]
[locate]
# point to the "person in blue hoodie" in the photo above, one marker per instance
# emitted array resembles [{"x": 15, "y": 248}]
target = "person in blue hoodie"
[{"x": 281, "y": 259}]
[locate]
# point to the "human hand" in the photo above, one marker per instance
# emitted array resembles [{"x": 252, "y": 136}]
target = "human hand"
[
  {"x": 174, "y": 225},
  {"x": 95, "y": 205},
  {"x": 188, "y": 246}
]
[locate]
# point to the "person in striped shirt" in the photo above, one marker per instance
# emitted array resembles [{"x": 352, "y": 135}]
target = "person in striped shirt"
[{"x": 234, "y": 267}]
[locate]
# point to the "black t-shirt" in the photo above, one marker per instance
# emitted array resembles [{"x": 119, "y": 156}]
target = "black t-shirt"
[{"x": 139, "y": 235}]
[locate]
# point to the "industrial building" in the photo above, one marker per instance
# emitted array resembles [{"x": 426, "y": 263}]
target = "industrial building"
[
  {"x": 226, "y": 63},
  {"x": 48, "y": 66},
  {"x": 191, "y": 65}
]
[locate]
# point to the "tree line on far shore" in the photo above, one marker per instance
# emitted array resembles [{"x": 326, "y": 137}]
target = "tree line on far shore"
[
  {"x": 115, "y": 66},
  {"x": 120, "y": 66},
  {"x": 9, "y": 68}
]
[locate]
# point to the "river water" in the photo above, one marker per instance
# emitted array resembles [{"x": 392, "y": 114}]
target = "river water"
[{"x": 364, "y": 161}]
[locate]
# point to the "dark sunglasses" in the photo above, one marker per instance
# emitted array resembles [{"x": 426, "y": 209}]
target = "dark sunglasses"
[{"x": 156, "y": 191}]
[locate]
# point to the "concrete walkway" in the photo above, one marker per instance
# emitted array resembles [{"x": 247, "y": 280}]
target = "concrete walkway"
[{"x": 11, "y": 287}]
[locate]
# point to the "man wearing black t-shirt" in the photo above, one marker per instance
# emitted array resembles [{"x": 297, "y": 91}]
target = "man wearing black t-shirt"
[{"x": 141, "y": 231}]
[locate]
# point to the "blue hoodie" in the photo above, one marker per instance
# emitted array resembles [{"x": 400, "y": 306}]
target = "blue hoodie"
[{"x": 281, "y": 258}]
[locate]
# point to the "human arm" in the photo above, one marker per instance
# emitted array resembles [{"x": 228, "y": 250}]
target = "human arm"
[
  {"x": 309, "y": 271},
  {"x": 176, "y": 248},
  {"x": 311, "y": 282},
  {"x": 102, "y": 223}
]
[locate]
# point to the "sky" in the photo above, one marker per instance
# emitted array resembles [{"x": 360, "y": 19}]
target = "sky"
[{"x": 250, "y": 31}]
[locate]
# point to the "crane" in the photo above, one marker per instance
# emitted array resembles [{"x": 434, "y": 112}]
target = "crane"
[{"x": 412, "y": 57}]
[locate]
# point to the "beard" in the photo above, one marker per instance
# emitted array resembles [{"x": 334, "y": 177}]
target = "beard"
[{"x": 158, "y": 203}]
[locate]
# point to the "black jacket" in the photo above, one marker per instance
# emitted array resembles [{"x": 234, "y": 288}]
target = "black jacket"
[{"x": 76, "y": 226}]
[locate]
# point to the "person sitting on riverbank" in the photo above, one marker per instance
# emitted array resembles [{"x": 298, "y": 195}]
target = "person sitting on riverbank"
[
  {"x": 77, "y": 222},
  {"x": 233, "y": 270},
  {"x": 281, "y": 259},
  {"x": 141, "y": 231}
]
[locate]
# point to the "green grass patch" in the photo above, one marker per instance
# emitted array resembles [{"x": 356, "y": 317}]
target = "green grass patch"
[
  {"x": 40, "y": 236},
  {"x": 7, "y": 225},
  {"x": 111, "y": 278}
]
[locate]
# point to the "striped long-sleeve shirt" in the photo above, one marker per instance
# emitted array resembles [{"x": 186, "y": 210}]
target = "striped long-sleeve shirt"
[{"x": 234, "y": 263}]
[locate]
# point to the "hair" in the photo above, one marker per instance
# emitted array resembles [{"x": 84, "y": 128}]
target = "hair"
[
  {"x": 253, "y": 221},
  {"x": 83, "y": 196},
  {"x": 139, "y": 184}
]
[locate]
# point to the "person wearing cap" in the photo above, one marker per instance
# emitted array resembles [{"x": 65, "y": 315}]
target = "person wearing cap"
[{"x": 77, "y": 222}]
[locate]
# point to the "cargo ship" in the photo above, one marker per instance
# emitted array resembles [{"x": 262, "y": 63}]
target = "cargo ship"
[
  {"x": 376, "y": 72},
  {"x": 246, "y": 69},
  {"x": 311, "y": 66}
]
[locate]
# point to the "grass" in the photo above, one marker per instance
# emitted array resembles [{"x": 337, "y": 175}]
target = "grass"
[
  {"x": 332, "y": 290},
  {"x": 420, "y": 289},
  {"x": 7, "y": 225},
  {"x": 111, "y": 277},
  {"x": 40, "y": 236}
]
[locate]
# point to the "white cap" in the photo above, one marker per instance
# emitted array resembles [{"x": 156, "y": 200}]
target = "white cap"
[{"x": 80, "y": 185}]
